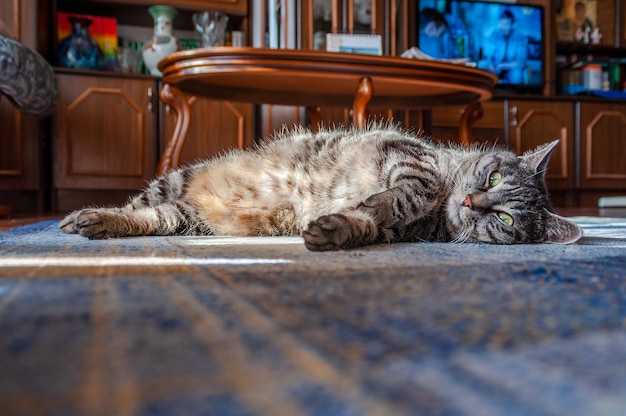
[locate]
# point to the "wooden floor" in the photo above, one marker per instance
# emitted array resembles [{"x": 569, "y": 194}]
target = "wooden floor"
[{"x": 16, "y": 220}]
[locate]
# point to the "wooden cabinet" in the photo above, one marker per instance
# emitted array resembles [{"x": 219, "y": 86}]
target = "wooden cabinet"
[
  {"x": 103, "y": 136},
  {"x": 602, "y": 146},
  {"x": 238, "y": 7},
  {"x": 535, "y": 122},
  {"x": 110, "y": 129},
  {"x": 22, "y": 138},
  {"x": 214, "y": 127}
]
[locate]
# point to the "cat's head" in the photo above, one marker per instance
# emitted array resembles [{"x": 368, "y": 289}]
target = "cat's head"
[{"x": 502, "y": 198}]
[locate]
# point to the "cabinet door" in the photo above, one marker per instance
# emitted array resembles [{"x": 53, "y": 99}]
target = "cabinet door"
[
  {"x": 21, "y": 136},
  {"x": 603, "y": 146},
  {"x": 489, "y": 129},
  {"x": 214, "y": 127},
  {"x": 532, "y": 123},
  {"x": 104, "y": 132},
  {"x": 20, "y": 142}
]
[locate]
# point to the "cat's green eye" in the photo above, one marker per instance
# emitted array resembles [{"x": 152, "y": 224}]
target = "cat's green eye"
[
  {"x": 505, "y": 218},
  {"x": 494, "y": 179}
]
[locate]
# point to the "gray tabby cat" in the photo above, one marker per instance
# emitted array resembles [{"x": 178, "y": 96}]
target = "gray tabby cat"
[{"x": 346, "y": 188}]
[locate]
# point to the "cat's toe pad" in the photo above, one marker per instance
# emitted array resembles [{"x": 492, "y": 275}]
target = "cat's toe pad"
[
  {"x": 90, "y": 223},
  {"x": 93, "y": 224},
  {"x": 327, "y": 233},
  {"x": 68, "y": 224}
]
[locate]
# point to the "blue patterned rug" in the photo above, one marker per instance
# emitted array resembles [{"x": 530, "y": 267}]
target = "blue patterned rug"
[{"x": 260, "y": 326}]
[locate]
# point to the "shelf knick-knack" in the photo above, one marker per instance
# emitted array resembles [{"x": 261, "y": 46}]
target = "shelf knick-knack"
[
  {"x": 79, "y": 50},
  {"x": 210, "y": 27},
  {"x": 163, "y": 41}
]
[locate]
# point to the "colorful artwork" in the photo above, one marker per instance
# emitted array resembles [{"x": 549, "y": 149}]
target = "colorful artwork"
[{"x": 103, "y": 30}]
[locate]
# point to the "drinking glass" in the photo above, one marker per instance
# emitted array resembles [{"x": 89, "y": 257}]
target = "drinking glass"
[{"x": 210, "y": 27}]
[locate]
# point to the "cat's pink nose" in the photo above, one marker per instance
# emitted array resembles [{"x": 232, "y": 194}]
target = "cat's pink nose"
[{"x": 467, "y": 202}]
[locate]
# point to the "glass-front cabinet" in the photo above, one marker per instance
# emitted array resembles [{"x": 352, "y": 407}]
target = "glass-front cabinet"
[{"x": 305, "y": 24}]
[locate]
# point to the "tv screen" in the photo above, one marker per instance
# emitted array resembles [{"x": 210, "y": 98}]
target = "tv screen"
[{"x": 504, "y": 38}]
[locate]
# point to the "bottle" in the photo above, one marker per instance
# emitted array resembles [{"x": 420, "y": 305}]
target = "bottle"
[{"x": 592, "y": 77}]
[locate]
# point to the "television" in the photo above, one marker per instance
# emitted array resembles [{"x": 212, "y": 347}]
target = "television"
[{"x": 504, "y": 38}]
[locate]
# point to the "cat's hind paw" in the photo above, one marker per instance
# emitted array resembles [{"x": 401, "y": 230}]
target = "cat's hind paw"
[{"x": 68, "y": 224}]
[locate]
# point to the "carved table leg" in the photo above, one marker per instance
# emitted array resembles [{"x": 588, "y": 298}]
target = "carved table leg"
[
  {"x": 170, "y": 158},
  {"x": 471, "y": 115},
  {"x": 315, "y": 116},
  {"x": 362, "y": 97}
]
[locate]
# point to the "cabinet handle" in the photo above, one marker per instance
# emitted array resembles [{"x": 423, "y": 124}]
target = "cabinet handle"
[
  {"x": 150, "y": 94},
  {"x": 513, "y": 116}
]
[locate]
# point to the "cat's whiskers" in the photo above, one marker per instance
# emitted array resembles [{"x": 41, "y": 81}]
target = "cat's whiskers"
[
  {"x": 462, "y": 236},
  {"x": 541, "y": 172}
]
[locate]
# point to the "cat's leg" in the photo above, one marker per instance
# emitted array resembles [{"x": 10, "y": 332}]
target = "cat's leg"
[
  {"x": 160, "y": 209},
  {"x": 342, "y": 231},
  {"x": 164, "y": 219},
  {"x": 382, "y": 217}
]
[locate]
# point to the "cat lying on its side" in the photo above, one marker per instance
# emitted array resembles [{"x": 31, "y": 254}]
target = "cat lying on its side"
[{"x": 345, "y": 188}]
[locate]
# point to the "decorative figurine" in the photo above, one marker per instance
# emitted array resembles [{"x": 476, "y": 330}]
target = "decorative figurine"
[{"x": 596, "y": 36}]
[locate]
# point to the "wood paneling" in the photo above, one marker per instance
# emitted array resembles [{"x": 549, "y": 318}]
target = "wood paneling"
[
  {"x": 214, "y": 127},
  {"x": 104, "y": 135},
  {"x": 21, "y": 136},
  {"x": 605, "y": 20},
  {"x": 489, "y": 129},
  {"x": 603, "y": 145},
  {"x": 236, "y": 7},
  {"x": 533, "y": 123},
  {"x": 89, "y": 120}
]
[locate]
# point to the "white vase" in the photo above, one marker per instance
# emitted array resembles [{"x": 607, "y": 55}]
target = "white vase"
[{"x": 163, "y": 41}]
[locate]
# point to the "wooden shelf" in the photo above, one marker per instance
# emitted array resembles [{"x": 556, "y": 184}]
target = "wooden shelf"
[{"x": 572, "y": 48}]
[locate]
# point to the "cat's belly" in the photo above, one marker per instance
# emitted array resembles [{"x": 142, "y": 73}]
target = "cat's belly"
[{"x": 237, "y": 198}]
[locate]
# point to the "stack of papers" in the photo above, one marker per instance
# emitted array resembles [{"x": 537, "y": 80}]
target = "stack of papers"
[{"x": 415, "y": 53}]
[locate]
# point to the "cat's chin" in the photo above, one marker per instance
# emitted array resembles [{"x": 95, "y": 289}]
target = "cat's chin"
[{"x": 458, "y": 216}]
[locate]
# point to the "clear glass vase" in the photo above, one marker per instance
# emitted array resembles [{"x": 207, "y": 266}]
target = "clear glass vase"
[{"x": 211, "y": 28}]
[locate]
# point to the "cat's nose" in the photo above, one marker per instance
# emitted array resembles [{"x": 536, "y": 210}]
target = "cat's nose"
[{"x": 467, "y": 202}]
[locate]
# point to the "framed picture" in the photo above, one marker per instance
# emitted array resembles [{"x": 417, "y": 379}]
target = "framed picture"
[{"x": 577, "y": 18}]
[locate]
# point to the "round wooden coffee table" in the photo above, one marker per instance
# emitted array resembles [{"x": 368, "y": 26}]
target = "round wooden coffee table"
[{"x": 316, "y": 78}]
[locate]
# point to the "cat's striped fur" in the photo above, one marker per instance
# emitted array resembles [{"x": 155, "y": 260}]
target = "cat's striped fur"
[{"x": 346, "y": 188}]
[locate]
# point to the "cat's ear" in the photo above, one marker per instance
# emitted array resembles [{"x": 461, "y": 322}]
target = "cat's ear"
[
  {"x": 538, "y": 159},
  {"x": 560, "y": 230}
]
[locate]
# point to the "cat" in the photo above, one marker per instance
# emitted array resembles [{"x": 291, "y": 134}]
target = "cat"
[{"x": 343, "y": 188}]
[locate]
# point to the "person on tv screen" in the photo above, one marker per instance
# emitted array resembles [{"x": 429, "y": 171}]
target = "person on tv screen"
[
  {"x": 433, "y": 31},
  {"x": 506, "y": 51}
]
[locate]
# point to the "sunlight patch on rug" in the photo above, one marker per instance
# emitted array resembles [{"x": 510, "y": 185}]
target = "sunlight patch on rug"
[
  {"x": 227, "y": 241},
  {"x": 131, "y": 261}
]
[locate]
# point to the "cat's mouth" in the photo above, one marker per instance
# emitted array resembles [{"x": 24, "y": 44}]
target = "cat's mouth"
[
  {"x": 457, "y": 212},
  {"x": 461, "y": 218}
]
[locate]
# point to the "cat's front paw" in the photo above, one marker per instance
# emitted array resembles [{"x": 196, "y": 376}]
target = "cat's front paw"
[
  {"x": 94, "y": 224},
  {"x": 327, "y": 233}
]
